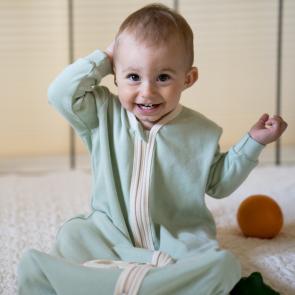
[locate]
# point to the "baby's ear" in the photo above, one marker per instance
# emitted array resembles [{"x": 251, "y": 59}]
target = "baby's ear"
[
  {"x": 191, "y": 77},
  {"x": 115, "y": 78}
]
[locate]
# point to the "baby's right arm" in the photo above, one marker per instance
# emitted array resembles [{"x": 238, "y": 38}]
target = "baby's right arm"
[{"x": 75, "y": 94}]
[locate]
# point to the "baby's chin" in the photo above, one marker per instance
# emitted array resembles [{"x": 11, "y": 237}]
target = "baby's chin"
[{"x": 148, "y": 123}]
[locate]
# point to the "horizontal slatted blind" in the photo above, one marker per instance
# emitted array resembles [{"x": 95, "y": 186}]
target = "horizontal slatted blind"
[
  {"x": 288, "y": 76},
  {"x": 235, "y": 52},
  {"x": 96, "y": 24},
  {"x": 236, "y": 56},
  {"x": 33, "y": 48}
]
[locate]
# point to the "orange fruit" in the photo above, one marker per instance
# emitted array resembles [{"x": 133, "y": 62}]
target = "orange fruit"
[{"x": 259, "y": 216}]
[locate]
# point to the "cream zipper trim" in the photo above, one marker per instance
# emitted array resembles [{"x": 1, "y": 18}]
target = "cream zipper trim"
[
  {"x": 133, "y": 274},
  {"x": 130, "y": 279},
  {"x": 160, "y": 259},
  {"x": 139, "y": 194},
  {"x": 140, "y": 182},
  {"x": 135, "y": 193}
]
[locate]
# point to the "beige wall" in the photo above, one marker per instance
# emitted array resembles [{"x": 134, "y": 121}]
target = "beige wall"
[
  {"x": 235, "y": 54},
  {"x": 33, "y": 49}
]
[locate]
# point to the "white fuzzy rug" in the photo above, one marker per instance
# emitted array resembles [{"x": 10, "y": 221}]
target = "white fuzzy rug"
[{"x": 33, "y": 207}]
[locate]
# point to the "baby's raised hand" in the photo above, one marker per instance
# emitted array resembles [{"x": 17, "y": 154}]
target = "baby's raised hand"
[
  {"x": 268, "y": 129},
  {"x": 110, "y": 51}
]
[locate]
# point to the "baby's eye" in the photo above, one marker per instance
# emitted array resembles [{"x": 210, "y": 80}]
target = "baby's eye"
[
  {"x": 163, "y": 77},
  {"x": 133, "y": 77}
]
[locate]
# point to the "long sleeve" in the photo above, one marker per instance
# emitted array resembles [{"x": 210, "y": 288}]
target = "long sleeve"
[
  {"x": 76, "y": 93},
  {"x": 229, "y": 170}
]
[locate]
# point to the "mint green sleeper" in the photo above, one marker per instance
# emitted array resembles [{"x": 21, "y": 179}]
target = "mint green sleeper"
[{"x": 150, "y": 231}]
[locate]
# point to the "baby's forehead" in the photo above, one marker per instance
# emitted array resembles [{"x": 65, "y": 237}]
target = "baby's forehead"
[
  {"x": 133, "y": 39},
  {"x": 148, "y": 58}
]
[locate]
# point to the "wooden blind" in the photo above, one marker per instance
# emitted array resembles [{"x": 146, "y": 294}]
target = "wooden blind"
[{"x": 235, "y": 44}]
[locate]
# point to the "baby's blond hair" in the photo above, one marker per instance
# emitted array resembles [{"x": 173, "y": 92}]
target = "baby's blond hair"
[{"x": 155, "y": 24}]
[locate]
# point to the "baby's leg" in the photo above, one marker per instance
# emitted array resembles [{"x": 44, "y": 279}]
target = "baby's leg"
[
  {"x": 31, "y": 280},
  {"x": 81, "y": 239},
  {"x": 42, "y": 274},
  {"x": 208, "y": 273}
]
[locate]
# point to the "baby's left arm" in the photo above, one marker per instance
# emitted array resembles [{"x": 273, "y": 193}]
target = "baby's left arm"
[
  {"x": 229, "y": 170},
  {"x": 268, "y": 129}
]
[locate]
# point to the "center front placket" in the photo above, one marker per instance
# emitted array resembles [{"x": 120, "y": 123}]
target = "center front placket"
[
  {"x": 140, "y": 218},
  {"x": 139, "y": 201}
]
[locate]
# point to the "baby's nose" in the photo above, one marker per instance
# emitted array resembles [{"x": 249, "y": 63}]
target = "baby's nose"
[{"x": 148, "y": 89}]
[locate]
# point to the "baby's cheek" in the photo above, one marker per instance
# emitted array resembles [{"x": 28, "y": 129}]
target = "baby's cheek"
[{"x": 126, "y": 103}]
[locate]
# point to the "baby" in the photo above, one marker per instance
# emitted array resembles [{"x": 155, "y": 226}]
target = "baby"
[{"x": 153, "y": 160}]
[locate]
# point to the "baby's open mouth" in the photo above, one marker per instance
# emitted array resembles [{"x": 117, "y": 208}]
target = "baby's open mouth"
[{"x": 148, "y": 106}]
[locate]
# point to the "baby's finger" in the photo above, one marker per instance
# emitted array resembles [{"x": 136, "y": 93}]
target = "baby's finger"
[
  {"x": 282, "y": 124},
  {"x": 262, "y": 121},
  {"x": 264, "y": 117},
  {"x": 278, "y": 118},
  {"x": 277, "y": 125},
  {"x": 271, "y": 122}
]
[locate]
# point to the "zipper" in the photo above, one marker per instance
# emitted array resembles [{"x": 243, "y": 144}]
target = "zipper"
[
  {"x": 140, "y": 222},
  {"x": 139, "y": 205}
]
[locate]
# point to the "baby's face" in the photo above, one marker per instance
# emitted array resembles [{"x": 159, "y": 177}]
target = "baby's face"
[{"x": 150, "y": 79}]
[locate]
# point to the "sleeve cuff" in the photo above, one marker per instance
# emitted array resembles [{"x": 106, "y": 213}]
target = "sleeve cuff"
[
  {"x": 100, "y": 59},
  {"x": 249, "y": 147}
]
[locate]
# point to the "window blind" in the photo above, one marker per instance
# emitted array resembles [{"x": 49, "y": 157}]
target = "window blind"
[{"x": 235, "y": 49}]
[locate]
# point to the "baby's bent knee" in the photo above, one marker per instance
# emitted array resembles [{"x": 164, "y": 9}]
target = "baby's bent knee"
[
  {"x": 70, "y": 231},
  {"x": 28, "y": 271}
]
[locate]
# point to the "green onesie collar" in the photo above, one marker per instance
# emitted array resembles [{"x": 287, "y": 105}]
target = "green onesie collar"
[{"x": 138, "y": 130}]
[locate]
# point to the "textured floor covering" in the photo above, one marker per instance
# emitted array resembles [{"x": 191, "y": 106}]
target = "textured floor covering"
[{"x": 32, "y": 207}]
